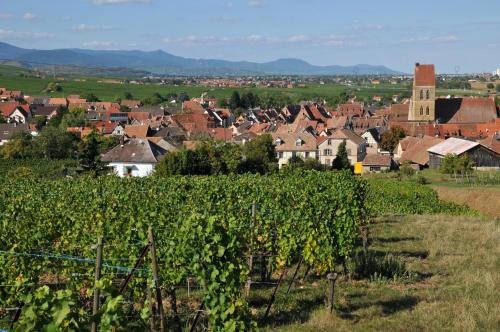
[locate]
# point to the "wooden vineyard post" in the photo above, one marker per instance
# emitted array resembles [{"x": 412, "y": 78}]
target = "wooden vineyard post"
[
  {"x": 294, "y": 275},
  {"x": 98, "y": 266},
  {"x": 250, "y": 257},
  {"x": 364, "y": 237},
  {"x": 273, "y": 297},
  {"x": 332, "y": 278},
  {"x": 156, "y": 280},
  {"x": 152, "y": 310}
]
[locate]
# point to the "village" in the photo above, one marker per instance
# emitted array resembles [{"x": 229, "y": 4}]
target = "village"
[{"x": 432, "y": 128}]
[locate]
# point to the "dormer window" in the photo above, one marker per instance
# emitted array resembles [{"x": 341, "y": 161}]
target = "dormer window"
[
  {"x": 298, "y": 142},
  {"x": 278, "y": 141}
]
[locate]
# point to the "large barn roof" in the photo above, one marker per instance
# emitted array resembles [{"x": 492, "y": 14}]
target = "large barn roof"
[{"x": 452, "y": 146}]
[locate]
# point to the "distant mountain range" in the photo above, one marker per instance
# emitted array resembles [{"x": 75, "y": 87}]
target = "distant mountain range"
[{"x": 163, "y": 63}]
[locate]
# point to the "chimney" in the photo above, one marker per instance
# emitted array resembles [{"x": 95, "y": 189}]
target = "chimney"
[{"x": 417, "y": 64}]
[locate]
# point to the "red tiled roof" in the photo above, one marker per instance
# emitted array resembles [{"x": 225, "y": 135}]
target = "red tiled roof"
[
  {"x": 377, "y": 160},
  {"x": 58, "y": 101},
  {"x": 7, "y": 108},
  {"x": 417, "y": 152},
  {"x": 424, "y": 75},
  {"x": 258, "y": 128},
  {"x": 492, "y": 142},
  {"x": 193, "y": 106},
  {"x": 138, "y": 131},
  {"x": 139, "y": 116},
  {"x": 466, "y": 110},
  {"x": 221, "y": 134}
]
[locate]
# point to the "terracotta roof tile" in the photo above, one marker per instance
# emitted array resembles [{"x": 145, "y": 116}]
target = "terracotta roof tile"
[
  {"x": 417, "y": 153},
  {"x": 377, "y": 160},
  {"x": 425, "y": 75}
]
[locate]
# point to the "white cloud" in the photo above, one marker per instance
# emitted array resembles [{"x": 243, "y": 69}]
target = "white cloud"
[
  {"x": 98, "y": 44},
  {"x": 493, "y": 45},
  {"x": 90, "y": 27},
  {"x": 5, "y": 16},
  {"x": 429, "y": 39},
  {"x": 226, "y": 19},
  {"x": 25, "y": 34},
  {"x": 254, "y": 38},
  {"x": 254, "y": 3},
  {"x": 29, "y": 16},
  {"x": 297, "y": 38},
  {"x": 120, "y": 2}
]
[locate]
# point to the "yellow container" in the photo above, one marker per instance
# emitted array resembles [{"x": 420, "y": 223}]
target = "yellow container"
[{"x": 358, "y": 168}]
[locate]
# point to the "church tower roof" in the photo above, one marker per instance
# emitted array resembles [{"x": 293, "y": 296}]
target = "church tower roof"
[{"x": 424, "y": 75}]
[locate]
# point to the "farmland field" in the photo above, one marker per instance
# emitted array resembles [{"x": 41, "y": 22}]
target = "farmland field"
[{"x": 10, "y": 78}]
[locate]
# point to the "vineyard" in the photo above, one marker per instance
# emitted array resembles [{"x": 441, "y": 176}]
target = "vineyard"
[{"x": 181, "y": 253}]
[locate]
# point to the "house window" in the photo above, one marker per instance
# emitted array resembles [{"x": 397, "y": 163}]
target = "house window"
[
  {"x": 280, "y": 155},
  {"x": 427, "y": 94},
  {"x": 128, "y": 171},
  {"x": 421, "y": 94},
  {"x": 427, "y": 110},
  {"x": 374, "y": 168},
  {"x": 298, "y": 142},
  {"x": 327, "y": 162},
  {"x": 421, "y": 110},
  {"x": 294, "y": 154},
  {"x": 349, "y": 152},
  {"x": 329, "y": 142},
  {"x": 307, "y": 154},
  {"x": 327, "y": 152},
  {"x": 278, "y": 141}
]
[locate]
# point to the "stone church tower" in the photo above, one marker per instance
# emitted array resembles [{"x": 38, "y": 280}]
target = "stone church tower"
[{"x": 423, "y": 101}]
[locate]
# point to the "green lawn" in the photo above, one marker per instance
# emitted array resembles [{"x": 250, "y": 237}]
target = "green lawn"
[{"x": 455, "y": 277}]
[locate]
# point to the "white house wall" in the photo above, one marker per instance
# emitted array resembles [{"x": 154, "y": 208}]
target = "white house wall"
[{"x": 138, "y": 170}]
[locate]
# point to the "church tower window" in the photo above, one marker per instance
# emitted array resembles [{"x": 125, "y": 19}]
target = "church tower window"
[
  {"x": 427, "y": 110},
  {"x": 421, "y": 110},
  {"x": 421, "y": 94},
  {"x": 427, "y": 94}
]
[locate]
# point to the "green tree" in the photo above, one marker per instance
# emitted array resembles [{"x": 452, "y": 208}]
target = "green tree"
[
  {"x": 259, "y": 155},
  {"x": 453, "y": 164},
  {"x": 124, "y": 108},
  {"x": 490, "y": 86},
  {"x": 89, "y": 152},
  {"x": 20, "y": 146},
  {"x": 235, "y": 100},
  {"x": 56, "y": 143},
  {"x": 128, "y": 95},
  {"x": 53, "y": 87},
  {"x": 342, "y": 160},
  {"x": 498, "y": 88},
  {"x": 73, "y": 118},
  {"x": 91, "y": 97},
  {"x": 39, "y": 121},
  {"x": 183, "y": 96},
  {"x": 391, "y": 138}
]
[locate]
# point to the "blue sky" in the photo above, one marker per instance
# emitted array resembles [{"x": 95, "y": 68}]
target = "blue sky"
[{"x": 458, "y": 35}]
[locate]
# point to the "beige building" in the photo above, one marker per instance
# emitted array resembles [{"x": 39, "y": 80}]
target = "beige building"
[
  {"x": 290, "y": 145},
  {"x": 422, "y": 104},
  {"x": 329, "y": 145}
]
